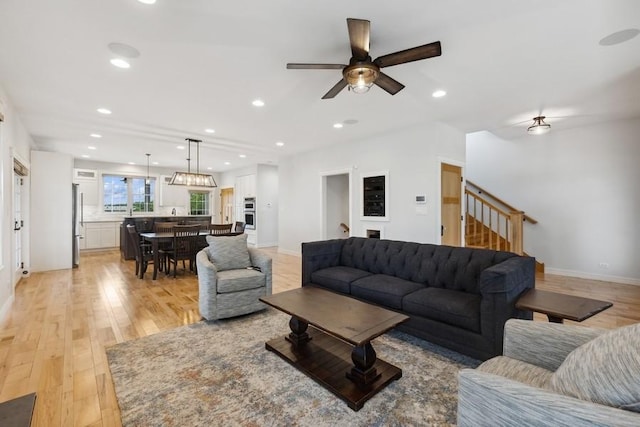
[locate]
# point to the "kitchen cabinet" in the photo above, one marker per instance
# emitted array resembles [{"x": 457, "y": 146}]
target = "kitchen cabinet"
[{"x": 101, "y": 235}]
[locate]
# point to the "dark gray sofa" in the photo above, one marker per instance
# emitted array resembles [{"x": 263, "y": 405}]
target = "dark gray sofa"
[{"x": 459, "y": 298}]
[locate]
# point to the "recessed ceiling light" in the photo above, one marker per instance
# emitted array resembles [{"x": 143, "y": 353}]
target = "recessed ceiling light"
[
  {"x": 91, "y": 147},
  {"x": 280, "y": 144},
  {"x": 258, "y": 103},
  {"x": 210, "y": 130},
  {"x": 86, "y": 156},
  {"x": 132, "y": 163},
  {"x": 242, "y": 156},
  {"x": 103, "y": 111},
  {"x": 120, "y": 63},
  {"x": 155, "y": 163},
  {"x": 209, "y": 168},
  {"x": 180, "y": 147},
  {"x": 337, "y": 125},
  {"x": 439, "y": 93},
  {"x": 95, "y": 135},
  {"x": 227, "y": 163},
  {"x": 147, "y": 1}
]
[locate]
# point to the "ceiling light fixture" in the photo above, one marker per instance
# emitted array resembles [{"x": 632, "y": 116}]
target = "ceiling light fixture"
[
  {"x": 439, "y": 93},
  {"x": 193, "y": 179},
  {"x": 337, "y": 125},
  {"x": 242, "y": 156},
  {"x": 120, "y": 63},
  {"x": 280, "y": 144},
  {"x": 258, "y": 103},
  {"x": 95, "y": 135},
  {"x": 210, "y": 130},
  {"x": 91, "y": 147},
  {"x": 104, "y": 111},
  {"x": 360, "y": 76},
  {"x": 539, "y": 126},
  {"x": 147, "y": 1}
]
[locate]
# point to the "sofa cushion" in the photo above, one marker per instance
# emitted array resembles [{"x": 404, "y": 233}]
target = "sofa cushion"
[
  {"x": 384, "y": 290},
  {"x": 517, "y": 370},
  {"x": 605, "y": 370},
  {"x": 240, "y": 280},
  {"x": 453, "y": 307},
  {"x": 229, "y": 252},
  {"x": 337, "y": 278}
]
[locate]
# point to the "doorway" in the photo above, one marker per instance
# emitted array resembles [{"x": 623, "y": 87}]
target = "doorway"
[
  {"x": 226, "y": 205},
  {"x": 451, "y": 204},
  {"x": 336, "y": 205}
]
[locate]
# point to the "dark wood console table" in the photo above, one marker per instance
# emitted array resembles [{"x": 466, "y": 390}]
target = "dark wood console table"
[{"x": 558, "y": 307}]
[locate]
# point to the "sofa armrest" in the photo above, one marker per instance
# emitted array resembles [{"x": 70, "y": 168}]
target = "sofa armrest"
[
  {"x": 544, "y": 344},
  {"x": 490, "y": 400},
  {"x": 319, "y": 255},
  {"x": 514, "y": 274},
  {"x": 263, "y": 261}
]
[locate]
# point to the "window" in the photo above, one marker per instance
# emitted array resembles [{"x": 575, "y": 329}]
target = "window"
[
  {"x": 127, "y": 193},
  {"x": 199, "y": 202}
]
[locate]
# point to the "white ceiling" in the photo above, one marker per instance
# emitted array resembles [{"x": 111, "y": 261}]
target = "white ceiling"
[{"x": 202, "y": 62}]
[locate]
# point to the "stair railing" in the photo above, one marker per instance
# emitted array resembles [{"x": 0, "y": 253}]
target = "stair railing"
[{"x": 497, "y": 229}]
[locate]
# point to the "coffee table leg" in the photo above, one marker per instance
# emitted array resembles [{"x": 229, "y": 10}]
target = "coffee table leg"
[
  {"x": 298, "y": 335},
  {"x": 363, "y": 373},
  {"x": 554, "y": 319}
]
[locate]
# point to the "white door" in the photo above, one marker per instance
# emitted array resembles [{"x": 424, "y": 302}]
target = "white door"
[{"x": 17, "y": 226}]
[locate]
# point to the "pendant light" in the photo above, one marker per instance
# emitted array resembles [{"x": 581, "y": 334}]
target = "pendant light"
[{"x": 193, "y": 179}]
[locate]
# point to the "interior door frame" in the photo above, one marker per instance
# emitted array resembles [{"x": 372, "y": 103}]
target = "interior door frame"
[
  {"x": 25, "y": 215},
  {"x": 323, "y": 198},
  {"x": 461, "y": 165},
  {"x": 221, "y": 207}
]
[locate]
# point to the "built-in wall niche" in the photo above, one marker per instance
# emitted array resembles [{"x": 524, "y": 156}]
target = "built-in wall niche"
[
  {"x": 375, "y": 196},
  {"x": 373, "y": 231}
]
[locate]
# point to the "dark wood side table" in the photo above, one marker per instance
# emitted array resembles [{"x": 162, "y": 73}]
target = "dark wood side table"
[{"x": 558, "y": 307}]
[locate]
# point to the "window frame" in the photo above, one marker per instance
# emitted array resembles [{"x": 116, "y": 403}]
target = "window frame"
[{"x": 206, "y": 200}]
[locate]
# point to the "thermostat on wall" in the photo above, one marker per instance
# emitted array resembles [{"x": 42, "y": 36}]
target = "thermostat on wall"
[{"x": 421, "y": 200}]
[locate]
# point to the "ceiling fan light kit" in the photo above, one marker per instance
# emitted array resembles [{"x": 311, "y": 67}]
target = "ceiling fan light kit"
[
  {"x": 362, "y": 72},
  {"x": 539, "y": 126},
  {"x": 193, "y": 179}
]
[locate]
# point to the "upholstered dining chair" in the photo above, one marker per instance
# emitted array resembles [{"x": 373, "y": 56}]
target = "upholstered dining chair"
[
  {"x": 142, "y": 251},
  {"x": 184, "y": 247}
]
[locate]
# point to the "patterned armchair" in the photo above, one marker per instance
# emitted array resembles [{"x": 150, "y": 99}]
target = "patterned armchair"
[
  {"x": 231, "y": 277},
  {"x": 555, "y": 375}
]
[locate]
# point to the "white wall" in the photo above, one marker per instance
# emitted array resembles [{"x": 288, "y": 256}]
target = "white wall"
[
  {"x": 336, "y": 205},
  {"x": 582, "y": 187},
  {"x": 267, "y": 205},
  {"x": 410, "y": 155},
  {"x": 14, "y": 140}
]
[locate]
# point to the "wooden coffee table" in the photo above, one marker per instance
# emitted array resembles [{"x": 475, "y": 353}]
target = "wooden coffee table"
[
  {"x": 558, "y": 307},
  {"x": 336, "y": 350}
]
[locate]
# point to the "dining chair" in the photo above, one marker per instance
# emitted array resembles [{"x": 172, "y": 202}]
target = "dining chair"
[
  {"x": 185, "y": 246},
  {"x": 239, "y": 227},
  {"x": 143, "y": 252},
  {"x": 220, "y": 229},
  {"x": 164, "y": 227}
]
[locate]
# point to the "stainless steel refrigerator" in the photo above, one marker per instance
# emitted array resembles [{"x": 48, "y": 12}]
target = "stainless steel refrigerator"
[{"x": 78, "y": 222}]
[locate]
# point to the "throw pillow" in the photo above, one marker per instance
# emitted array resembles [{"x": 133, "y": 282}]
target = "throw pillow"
[
  {"x": 605, "y": 370},
  {"x": 229, "y": 252}
]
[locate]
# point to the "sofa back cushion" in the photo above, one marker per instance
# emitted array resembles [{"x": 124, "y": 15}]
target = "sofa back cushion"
[{"x": 434, "y": 265}]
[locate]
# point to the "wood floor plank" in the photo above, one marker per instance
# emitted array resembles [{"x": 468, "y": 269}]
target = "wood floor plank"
[{"x": 53, "y": 338}]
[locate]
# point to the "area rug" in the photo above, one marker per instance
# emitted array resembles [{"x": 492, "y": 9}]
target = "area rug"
[{"x": 219, "y": 373}]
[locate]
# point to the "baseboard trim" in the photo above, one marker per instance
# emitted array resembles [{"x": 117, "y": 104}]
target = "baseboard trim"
[
  {"x": 4, "y": 311},
  {"x": 267, "y": 245},
  {"x": 592, "y": 276}
]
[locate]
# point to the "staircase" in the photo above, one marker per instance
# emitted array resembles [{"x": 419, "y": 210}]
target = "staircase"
[{"x": 492, "y": 223}]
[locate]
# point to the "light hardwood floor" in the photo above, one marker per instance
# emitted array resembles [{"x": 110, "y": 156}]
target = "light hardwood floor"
[{"x": 53, "y": 340}]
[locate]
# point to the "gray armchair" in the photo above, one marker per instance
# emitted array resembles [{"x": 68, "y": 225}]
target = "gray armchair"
[
  {"x": 521, "y": 388},
  {"x": 228, "y": 288}
]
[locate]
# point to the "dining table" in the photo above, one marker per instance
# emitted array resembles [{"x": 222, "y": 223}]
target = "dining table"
[{"x": 166, "y": 236}]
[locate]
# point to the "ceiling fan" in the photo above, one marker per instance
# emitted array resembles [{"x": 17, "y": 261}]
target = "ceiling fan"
[{"x": 362, "y": 72}]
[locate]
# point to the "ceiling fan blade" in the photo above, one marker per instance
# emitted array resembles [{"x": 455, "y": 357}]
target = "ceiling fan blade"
[
  {"x": 409, "y": 55},
  {"x": 359, "y": 30},
  {"x": 387, "y": 83},
  {"x": 335, "y": 90},
  {"x": 293, "y": 66}
]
